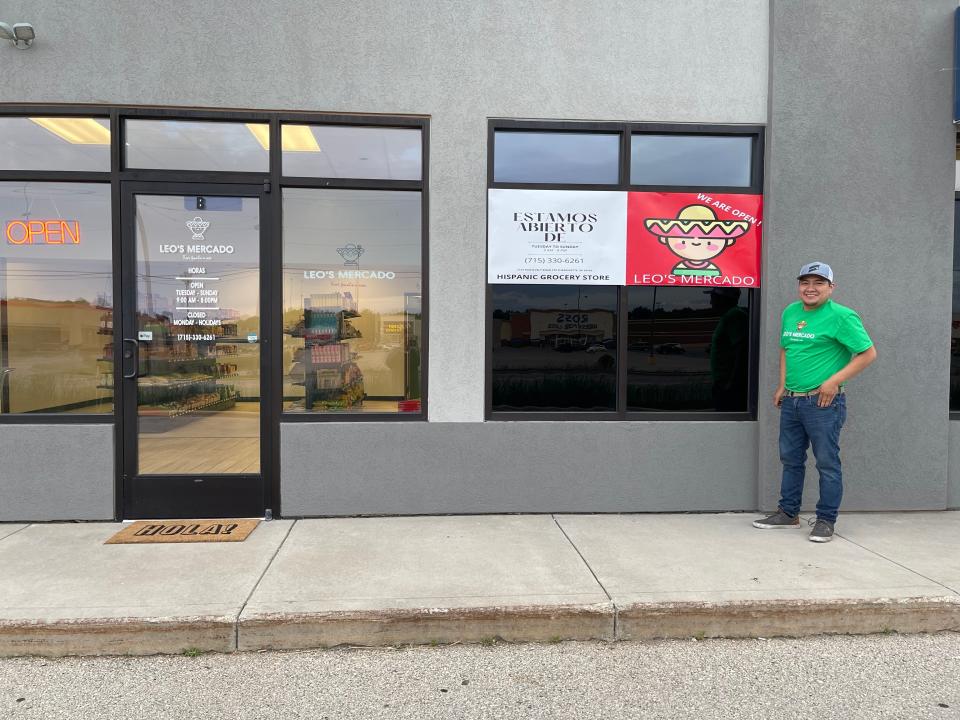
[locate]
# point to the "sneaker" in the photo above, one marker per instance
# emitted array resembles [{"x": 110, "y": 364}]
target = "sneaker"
[
  {"x": 822, "y": 531},
  {"x": 778, "y": 520}
]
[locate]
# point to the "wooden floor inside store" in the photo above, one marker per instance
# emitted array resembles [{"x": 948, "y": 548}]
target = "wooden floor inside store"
[{"x": 219, "y": 442}]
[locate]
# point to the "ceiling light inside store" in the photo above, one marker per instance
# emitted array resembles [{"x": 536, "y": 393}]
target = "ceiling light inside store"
[
  {"x": 294, "y": 138},
  {"x": 261, "y": 132},
  {"x": 299, "y": 138},
  {"x": 77, "y": 131}
]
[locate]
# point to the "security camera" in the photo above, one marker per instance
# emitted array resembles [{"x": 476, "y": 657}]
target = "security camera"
[
  {"x": 24, "y": 32},
  {"x": 21, "y": 35}
]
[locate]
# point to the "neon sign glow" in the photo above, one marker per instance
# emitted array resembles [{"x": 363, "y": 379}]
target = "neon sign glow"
[{"x": 42, "y": 232}]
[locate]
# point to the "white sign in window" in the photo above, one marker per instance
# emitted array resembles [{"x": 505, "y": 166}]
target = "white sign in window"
[{"x": 556, "y": 237}]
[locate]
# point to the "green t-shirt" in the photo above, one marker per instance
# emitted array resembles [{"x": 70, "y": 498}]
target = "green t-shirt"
[{"x": 819, "y": 342}]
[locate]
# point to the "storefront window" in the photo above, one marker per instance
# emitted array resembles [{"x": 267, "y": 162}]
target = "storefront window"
[
  {"x": 352, "y": 317},
  {"x": 55, "y": 143},
  {"x": 56, "y": 298},
  {"x": 556, "y": 157},
  {"x": 554, "y": 348},
  {"x": 691, "y": 160},
  {"x": 688, "y": 349},
  {"x": 352, "y": 151},
  {"x": 197, "y": 145},
  {"x": 649, "y": 336}
]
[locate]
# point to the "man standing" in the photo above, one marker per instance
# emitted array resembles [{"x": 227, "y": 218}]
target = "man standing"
[{"x": 822, "y": 345}]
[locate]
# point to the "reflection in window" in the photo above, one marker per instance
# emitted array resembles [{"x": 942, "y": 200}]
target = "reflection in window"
[
  {"x": 197, "y": 145},
  {"x": 690, "y": 160},
  {"x": 687, "y": 349},
  {"x": 351, "y": 151},
  {"x": 55, "y": 143},
  {"x": 56, "y": 298},
  {"x": 554, "y": 348},
  {"x": 556, "y": 157},
  {"x": 351, "y": 301}
]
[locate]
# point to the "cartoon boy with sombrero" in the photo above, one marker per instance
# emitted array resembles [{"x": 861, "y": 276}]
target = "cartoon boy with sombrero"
[{"x": 696, "y": 237}]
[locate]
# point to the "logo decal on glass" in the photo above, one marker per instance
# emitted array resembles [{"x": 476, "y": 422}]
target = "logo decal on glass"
[
  {"x": 197, "y": 226},
  {"x": 351, "y": 254}
]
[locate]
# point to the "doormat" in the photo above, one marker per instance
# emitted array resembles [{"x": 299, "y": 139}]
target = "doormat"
[{"x": 184, "y": 531}]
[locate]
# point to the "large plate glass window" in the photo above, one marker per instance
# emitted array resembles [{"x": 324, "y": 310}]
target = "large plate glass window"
[
  {"x": 55, "y": 143},
  {"x": 688, "y": 349},
  {"x": 56, "y": 298},
  {"x": 554, "y": 348},
  {"x": 352, "y": 296}
]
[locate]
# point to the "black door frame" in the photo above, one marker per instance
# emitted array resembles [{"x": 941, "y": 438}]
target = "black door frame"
[{"x": 196, "y": 495}]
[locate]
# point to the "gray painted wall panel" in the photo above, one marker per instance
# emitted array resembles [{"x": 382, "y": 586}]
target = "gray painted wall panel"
[
  {"x": 953, "y": 489},
  {"x": 456, "y": 60},
  {"x": 860, "y": 171},
  {"x": 387, "y": 468},
  {"x": 56, "y": 472}
]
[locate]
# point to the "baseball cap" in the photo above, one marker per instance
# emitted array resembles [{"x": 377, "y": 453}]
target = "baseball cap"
[{"x": 817, "y": 268}]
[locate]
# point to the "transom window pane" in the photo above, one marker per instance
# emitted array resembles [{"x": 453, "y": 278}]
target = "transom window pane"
[
  {"x": 691, "y": 160},
  {"x": 196, "y": 145},
  {"x": 55, "y": 143},
  {"x": 556, "y": 157},
  {"x": 554, "y": 348},
  {"x": 56, "y": 298},
  {"x": 348, "y": 151},
  {"x": 352, "y": 306}
]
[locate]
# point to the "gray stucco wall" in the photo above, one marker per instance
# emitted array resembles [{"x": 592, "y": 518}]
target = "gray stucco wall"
[
  {"x": 56, "y": 472},
  {"x": 408, "y": 468},
  {"x": 860, "y": 172},
  {"x": 460, "y": 62}
]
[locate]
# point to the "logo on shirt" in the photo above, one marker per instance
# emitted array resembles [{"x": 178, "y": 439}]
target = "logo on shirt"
[{"x": 801, "y": 325}]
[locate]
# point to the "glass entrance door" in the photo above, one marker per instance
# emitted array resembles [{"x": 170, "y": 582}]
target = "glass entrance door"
[{"x": 191, "y": 353}]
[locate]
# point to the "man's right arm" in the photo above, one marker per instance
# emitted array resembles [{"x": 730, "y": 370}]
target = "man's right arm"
[{"x": 781, "y": 386}]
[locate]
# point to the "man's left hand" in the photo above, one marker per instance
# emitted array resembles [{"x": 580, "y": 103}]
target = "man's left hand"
[{"x": 828, "y": 391}]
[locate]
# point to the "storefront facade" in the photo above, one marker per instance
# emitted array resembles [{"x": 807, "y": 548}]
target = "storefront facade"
[{"x": 261, "y": 281}]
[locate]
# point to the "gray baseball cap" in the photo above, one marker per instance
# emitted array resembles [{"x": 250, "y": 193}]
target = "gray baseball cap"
[{"x": 817, "y": 268}]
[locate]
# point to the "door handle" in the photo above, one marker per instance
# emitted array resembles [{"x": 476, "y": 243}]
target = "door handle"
[
  {"x": 132, "y": 354},
  {"x": 3, "y": 374}
]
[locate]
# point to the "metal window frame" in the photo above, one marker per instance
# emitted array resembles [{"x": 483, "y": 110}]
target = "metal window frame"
[{"x": 627, "y": 130}]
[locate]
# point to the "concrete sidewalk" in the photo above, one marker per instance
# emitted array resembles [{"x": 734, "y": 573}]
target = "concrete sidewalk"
[{"x": 387, "y": 581}]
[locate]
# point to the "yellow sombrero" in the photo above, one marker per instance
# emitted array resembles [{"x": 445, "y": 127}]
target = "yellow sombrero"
[{"x": 696, "y": 221}]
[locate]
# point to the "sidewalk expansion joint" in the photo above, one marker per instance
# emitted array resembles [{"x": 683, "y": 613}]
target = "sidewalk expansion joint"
[
  {"x": 236, "y": 623},
  {"x": 616, "y": 611},
  {"x": 898, "y": 564},
  {"x": 16, "y": 531}
]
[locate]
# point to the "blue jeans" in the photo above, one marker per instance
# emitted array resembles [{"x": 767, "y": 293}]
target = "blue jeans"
[{"x": 803, "y": 423}]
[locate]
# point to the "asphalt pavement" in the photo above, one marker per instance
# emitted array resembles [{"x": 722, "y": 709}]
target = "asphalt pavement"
[{"x": 850, "y": 677}]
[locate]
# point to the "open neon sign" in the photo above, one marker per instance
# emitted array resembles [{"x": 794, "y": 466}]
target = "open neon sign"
[{"x": 43, "y": 232}]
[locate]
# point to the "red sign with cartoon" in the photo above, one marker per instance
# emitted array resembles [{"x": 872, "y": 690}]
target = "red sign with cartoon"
[{"x": 678, "y": 239}]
